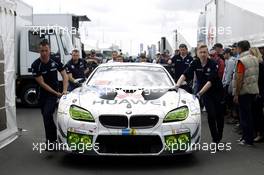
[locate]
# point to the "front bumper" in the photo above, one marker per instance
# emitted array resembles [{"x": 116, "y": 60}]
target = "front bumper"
[{"x": 131, "y": 142}]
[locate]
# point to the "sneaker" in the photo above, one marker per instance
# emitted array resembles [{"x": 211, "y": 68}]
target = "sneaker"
[
  {"x": 259, "y": 139},
  {"x": 243, "y": 143},
  {"x": 241, "y": 139}
]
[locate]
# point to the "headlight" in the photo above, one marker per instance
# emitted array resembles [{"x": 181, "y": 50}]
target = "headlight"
[
  {"x": 178, "y": 142},
  {"x": 78, "y": 113},
  {"x": 178, "y": 114},
  {"x": 79, "y": 142}
]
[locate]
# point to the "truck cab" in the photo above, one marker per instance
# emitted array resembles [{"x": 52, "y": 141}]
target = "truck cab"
[{"x": 30, "y": 37}]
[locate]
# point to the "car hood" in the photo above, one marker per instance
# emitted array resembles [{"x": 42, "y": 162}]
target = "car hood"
[{"x": 133, "y": 102}]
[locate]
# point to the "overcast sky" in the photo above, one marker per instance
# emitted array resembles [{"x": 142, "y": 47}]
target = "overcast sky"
[{"x": 130, "y": 22}]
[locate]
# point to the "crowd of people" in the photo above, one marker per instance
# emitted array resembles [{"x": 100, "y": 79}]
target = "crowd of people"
[{"x": 227, "y": 81}]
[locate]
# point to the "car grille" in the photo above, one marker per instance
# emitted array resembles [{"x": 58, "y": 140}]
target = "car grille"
[
  {"x": 143, "y": 121},
  {"x": 114, "y": 121},
  {"x": 120, "y": 144},
  {"x": 135, "y": 122}
]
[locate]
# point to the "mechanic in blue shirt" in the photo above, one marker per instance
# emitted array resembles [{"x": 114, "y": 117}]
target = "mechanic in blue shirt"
[
  {"x": 181, "y": 63},
  {"x": 76, "y": 69},
  {"x": 45, "y": 70},
  {"x": 210, "y": 88}
]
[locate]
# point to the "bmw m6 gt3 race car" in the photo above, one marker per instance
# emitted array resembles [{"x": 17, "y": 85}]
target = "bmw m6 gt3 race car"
[{"x": 129, "y": 109}]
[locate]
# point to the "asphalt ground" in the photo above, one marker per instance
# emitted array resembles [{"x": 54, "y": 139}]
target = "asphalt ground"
[{"x": 19, "y": 157}]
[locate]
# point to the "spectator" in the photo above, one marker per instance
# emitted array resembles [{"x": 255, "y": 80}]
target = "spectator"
[
  {"x": 219, "y": 58},
  {"x": 245, "y": 88},
  {"x": 130, "y": 59},
  {"x": 120, "y": 59},
  {"x": 258, "y": 103},
  {"x": 165, "y": 57},
  {"x": 176, "y": 52},
  {"x": 93, "y": 57},
  {"x": 92, "y": 61},
  {"x": 235, "y": 112},
  {"x": 114, "y": 57},
  {"x": 157, "y": 58},
  {"x": 227, "y": 79},
  {"x": 234, "y": 50},
  {"x": 143, "y": 58}
]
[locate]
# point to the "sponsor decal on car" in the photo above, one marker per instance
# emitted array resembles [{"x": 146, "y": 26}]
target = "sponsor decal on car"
[
  {"x": 129, "y": 132},
  {"x": 130, "y": 102}
]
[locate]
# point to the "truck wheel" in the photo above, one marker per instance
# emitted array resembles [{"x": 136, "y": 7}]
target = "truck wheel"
[{"x": 29, "y": 95}]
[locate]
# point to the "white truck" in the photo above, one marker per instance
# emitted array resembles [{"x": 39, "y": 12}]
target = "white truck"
[
  {"x": 227, "y": 23},
  {"x": 28, "y": 37},
  {"x": 69, "y": 22}
]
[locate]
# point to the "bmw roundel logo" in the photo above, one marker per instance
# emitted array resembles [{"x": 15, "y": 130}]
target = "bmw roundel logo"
[{"x": 128, "y": 112}]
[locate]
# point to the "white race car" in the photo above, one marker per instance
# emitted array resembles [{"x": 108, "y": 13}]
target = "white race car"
[{"x": 129, "y": 109}]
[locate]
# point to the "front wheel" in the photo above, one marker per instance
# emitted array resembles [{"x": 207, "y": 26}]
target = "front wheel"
[{"x": 29, "y": 95}]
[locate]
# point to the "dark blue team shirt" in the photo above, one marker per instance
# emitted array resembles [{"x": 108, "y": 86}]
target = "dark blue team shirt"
[
  {"x": 49, "y": 72},
  {"x": 181, "y": 64},
  {"x": 205, "y": 74},
  {"x": 77, "y": 70}
]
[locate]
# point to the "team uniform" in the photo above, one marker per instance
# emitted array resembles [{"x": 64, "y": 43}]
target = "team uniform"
[
  {"x": 48, "y": 100},
  {"x": 180, "y": 65},
  {"x": 77, "y": 71},
  {"x": 213, "y": 97}
]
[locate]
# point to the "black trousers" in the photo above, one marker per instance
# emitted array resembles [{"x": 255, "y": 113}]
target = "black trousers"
[
  {"x": 48, "y": 105},
  {"x": 246, "y": 117},
  {"x": 228, "y": 98},
  {"x": 258, "y": 116},
  {"x": 215, "y": 115}
]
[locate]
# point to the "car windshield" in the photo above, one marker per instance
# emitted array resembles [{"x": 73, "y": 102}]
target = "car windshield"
[{"x": 130, "y": 76}]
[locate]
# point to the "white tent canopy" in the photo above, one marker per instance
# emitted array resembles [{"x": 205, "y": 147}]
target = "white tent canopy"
[{"x": 8, "y": 126}]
